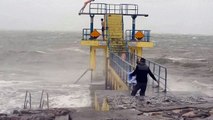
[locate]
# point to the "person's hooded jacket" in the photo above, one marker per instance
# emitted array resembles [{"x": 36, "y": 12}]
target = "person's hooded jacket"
[{"x": 141, "y": 72}]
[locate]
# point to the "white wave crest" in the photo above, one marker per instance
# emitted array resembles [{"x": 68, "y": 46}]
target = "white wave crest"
[
  {"x": 77, "y": 99},
  {"x": 41, "y": 52}
]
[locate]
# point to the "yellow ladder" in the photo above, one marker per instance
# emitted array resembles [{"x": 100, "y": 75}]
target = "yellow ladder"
[{"x": 115, "y": 27}]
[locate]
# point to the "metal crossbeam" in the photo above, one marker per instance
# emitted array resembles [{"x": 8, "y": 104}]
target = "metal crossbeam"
[
  {"x": 118, "y": 9},
  {"x": 144, "y": 15}
]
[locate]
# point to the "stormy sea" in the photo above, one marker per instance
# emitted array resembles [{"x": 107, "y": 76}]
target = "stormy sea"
[{"x": 53, "y": 61}]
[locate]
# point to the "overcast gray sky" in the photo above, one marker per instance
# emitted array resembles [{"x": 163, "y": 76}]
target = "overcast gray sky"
[{"x": 166, "y": 16}]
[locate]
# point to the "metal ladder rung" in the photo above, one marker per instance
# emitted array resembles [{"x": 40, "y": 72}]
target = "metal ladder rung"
[{"x": 28, "y": 100}]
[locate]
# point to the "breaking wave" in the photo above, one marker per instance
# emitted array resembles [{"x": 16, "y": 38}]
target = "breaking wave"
[{"x": 184, "y": 62}]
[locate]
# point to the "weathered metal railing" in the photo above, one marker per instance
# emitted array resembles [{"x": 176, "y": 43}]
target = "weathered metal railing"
[
  {"x": 27, "y": 100},
  {"x": 44, "y": 101},
  {"x": 114, "y": 9},
  {"x": 131, "y": 9},
  {"x": 123, "y": 66},
  {"x": 146, "y": 38},
  {"x": 161, "y": 73},
  {"x": 86, "y": 34},
  {"x": 158, "y": 70},
  {"x": 86, "y": 71},
  {"x": 103, "y": 8},
  {"x": 98, "y": 8}
]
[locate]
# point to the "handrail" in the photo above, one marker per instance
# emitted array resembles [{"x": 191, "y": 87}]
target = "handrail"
[
  {"x": 86, "y": 34},
  {"x": 129, "y": 8},
  {"x": 123, "y": 67},
  {"x": 42, "y": 100},
  {"x": 158, "y": 70},
  {"x": 146, "y": 38},
  {"x": 83, "y": 75},
  {"x": 27, "y": 100},
  {"x": 103, "y": 8},
  {"x": 100, "y": 8}
]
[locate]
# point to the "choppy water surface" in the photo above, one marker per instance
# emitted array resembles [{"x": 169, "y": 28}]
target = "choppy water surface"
[
  {"x": 54, "y": 60},
  {"x": 189, "y": 59}
]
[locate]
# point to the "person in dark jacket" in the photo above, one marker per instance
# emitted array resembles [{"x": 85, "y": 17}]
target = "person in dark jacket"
[{"x": 141, "y": 72}]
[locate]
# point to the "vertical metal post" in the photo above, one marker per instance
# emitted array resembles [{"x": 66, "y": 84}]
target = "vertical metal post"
[
  {"x": 83, "y": 34},
  {"x": 148, "y": 35},
  {"x": 153, "y": 82},
  {"x": 92, "y": 57},
  {"x": 41, "y": 99},
  {"x": 91, "y": 22},
  {"x": 30, "y": 100},
  {"x": 159, "y": 78},
  {"x": 25, "y": 101},
  {"x": 133, "y": 26},
  {"x": 165, "y": 81},
  {"x": 48, "y": 101},
  {"x": 106, "y": 78},
  {"x": 91, "y": 75}
]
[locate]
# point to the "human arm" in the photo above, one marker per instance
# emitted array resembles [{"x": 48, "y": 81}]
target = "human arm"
[
  {"x": 135, "y": 71},
  {"x": 152, "y": 75}
]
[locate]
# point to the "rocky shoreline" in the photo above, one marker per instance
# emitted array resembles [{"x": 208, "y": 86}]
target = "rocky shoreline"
[
  {"x": 167, "y": 107},
  {"x": 47, "y": 114},
  {"x": 128, "y": 108}
]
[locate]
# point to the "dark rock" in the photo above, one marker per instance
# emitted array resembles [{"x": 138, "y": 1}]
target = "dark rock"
[
  {"x": 208, "y": 118},
  {"x": 26, "y": 112},
  {"x": 2, "y": 115},
  {"x": 148, "y": 102},
  {"x": 16, "y": 112},
  {"x": 48, "y": 114},
  {"x": 166, "y": 100}
]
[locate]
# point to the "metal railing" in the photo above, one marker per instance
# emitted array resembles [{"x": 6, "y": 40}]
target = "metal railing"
[
  {"x": 103, "y": 8},
  {"x": 114, "y": 9},
  {"x": 158, "y": 70},
  {"x": 98, "y": 8},
  {"x": 86, "y": 34},
  {"x": 129, "y": 9},
  {"x": 146, "y": 38},
  {"x": 27, "y": 100},
  {"x": 44, "y": 101},
  {"x": 161, "y": 73},
  {"x": 86, "y": 71},
  {"x": 123, "y": 66}
]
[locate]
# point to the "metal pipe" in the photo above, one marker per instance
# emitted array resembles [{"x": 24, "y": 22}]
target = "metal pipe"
[
  {"x": 47, "y": 100},
  {"x": 25, "y": 100},
  {"x": 133, "y": 26},
  {"x": 106, "y": 79},
  {"x": 30, "y": 101},
  {"x": 165, "y": 90},
  {"x": 159, "y": 71},
  {"x": 41, "y": 99},
  {"x": 82, "y": 75},
  {"x": 91, "y": 76},
  {"x": 91, "y": 22}
]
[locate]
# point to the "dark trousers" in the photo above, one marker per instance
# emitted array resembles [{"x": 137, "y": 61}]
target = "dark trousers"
[
  {"x": 102, "y": 29},
  {"x": 141, "y": 87}
]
